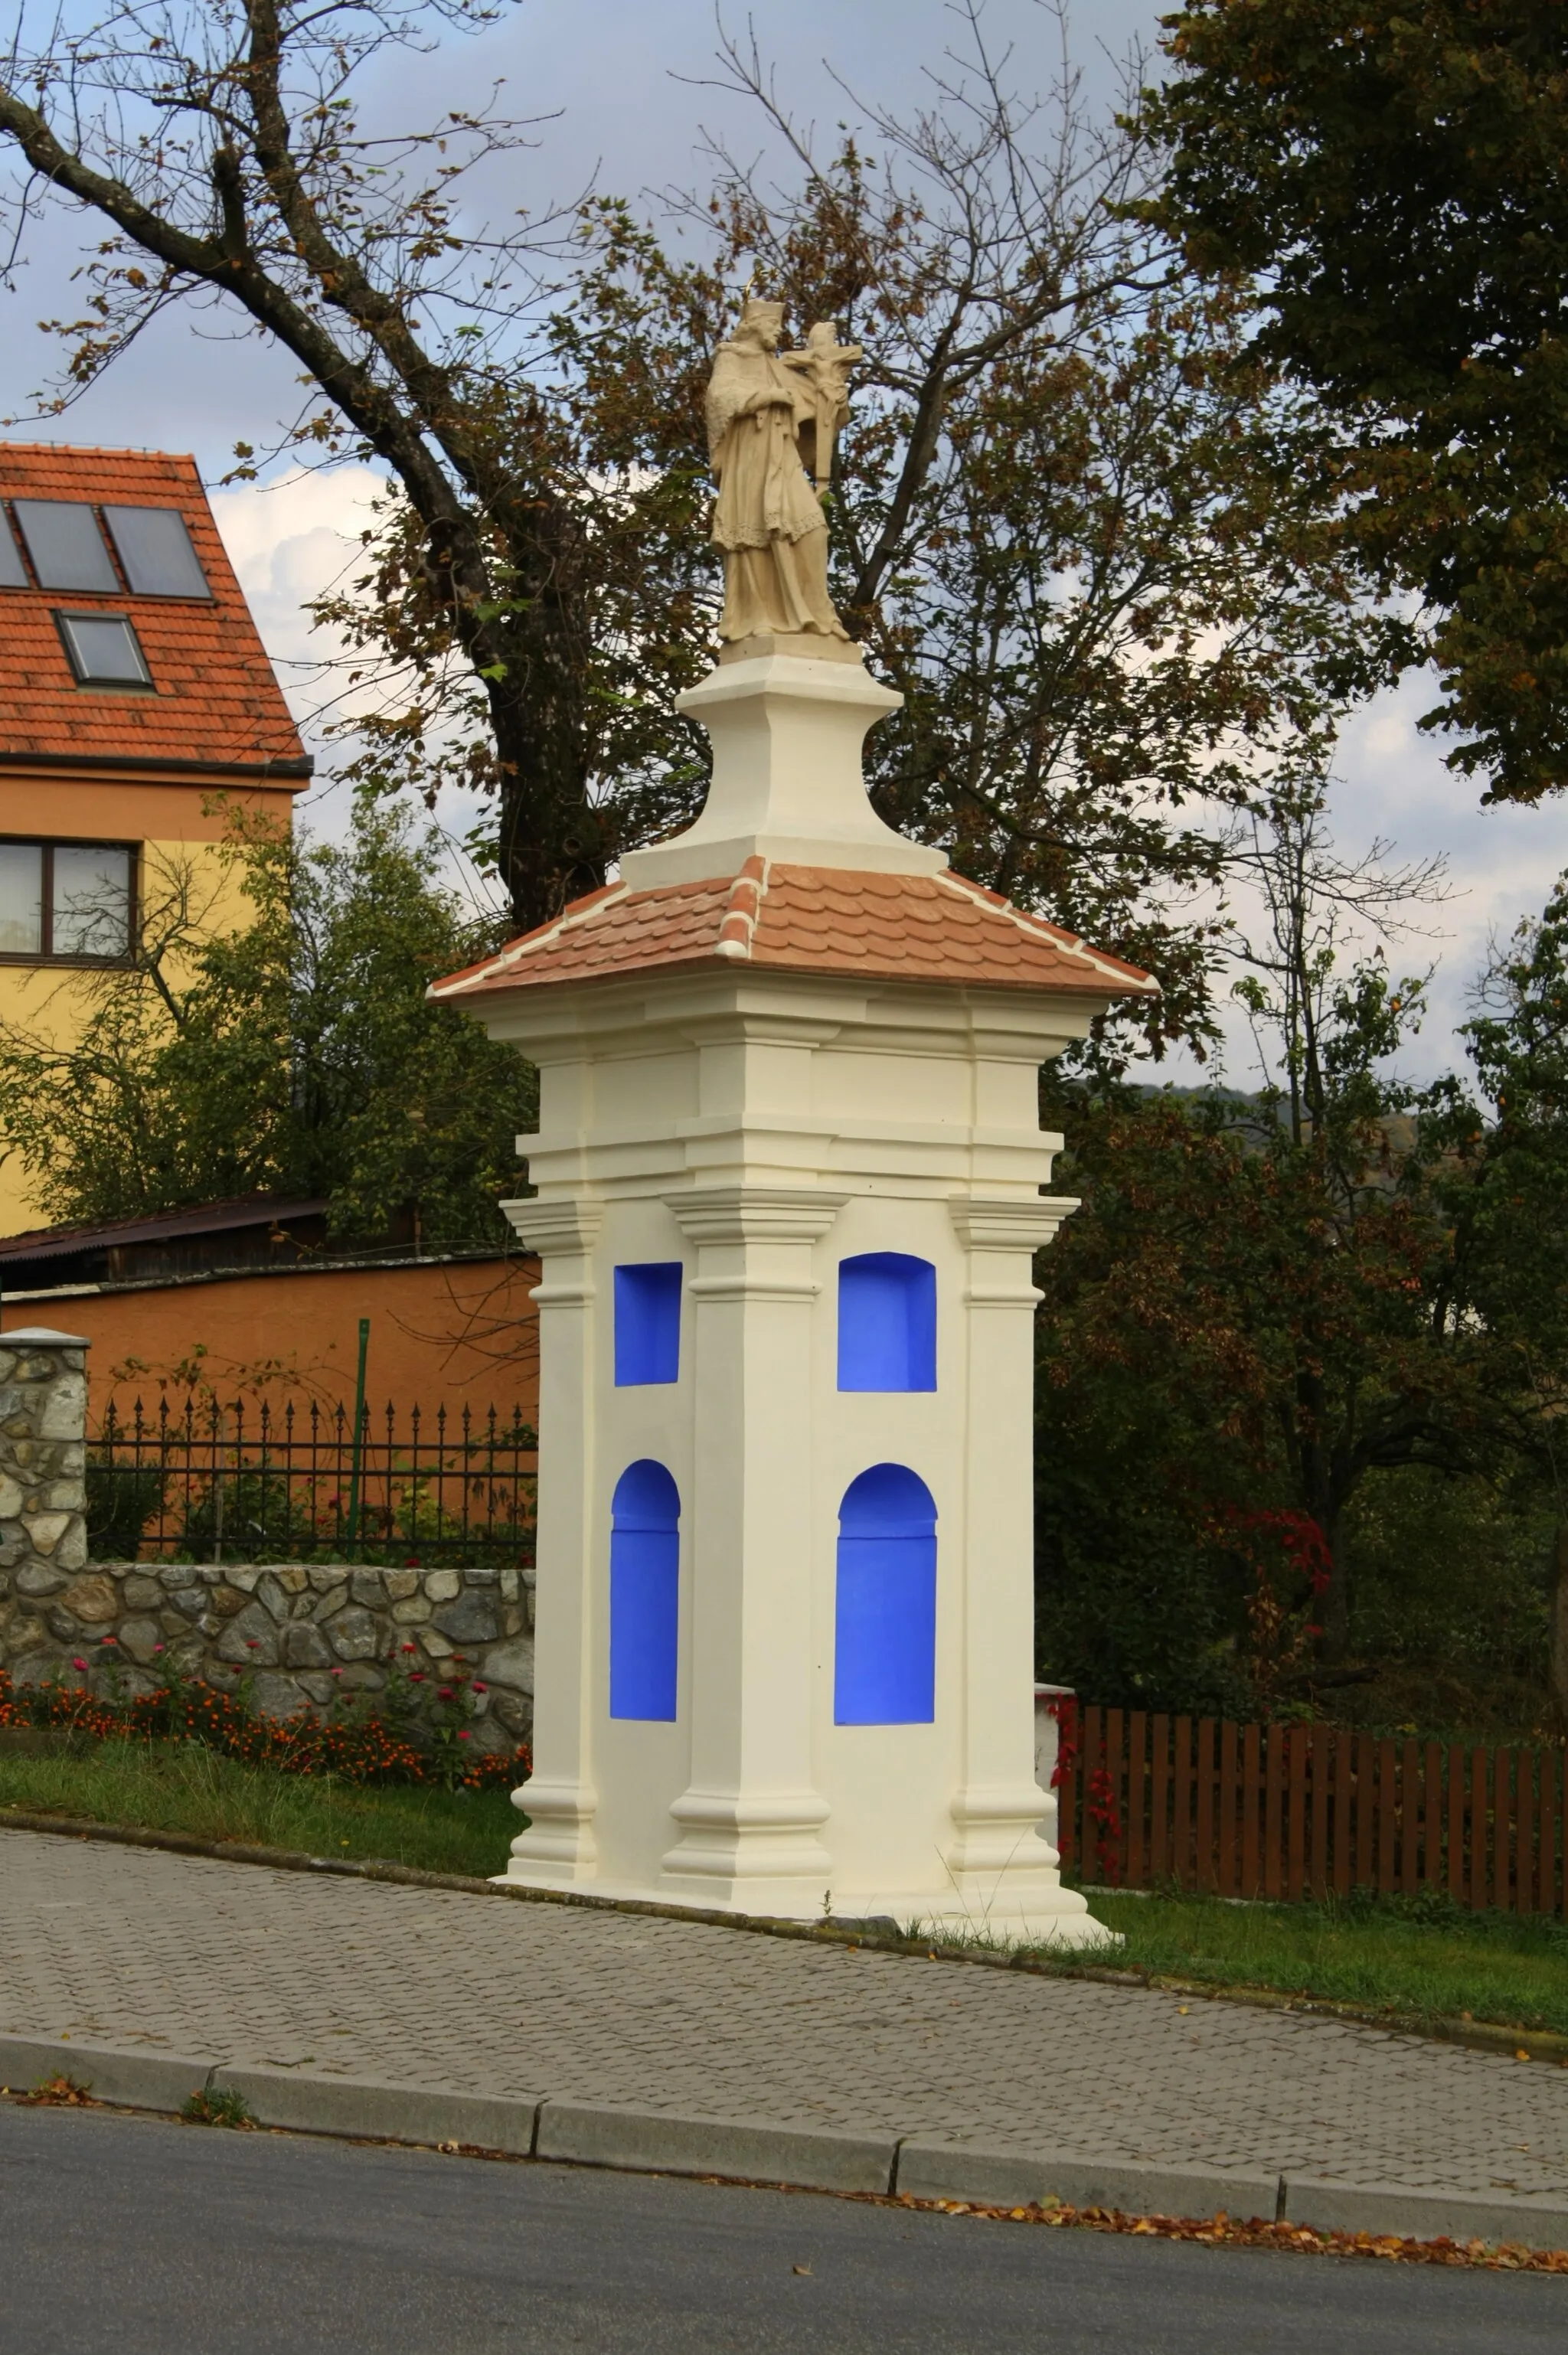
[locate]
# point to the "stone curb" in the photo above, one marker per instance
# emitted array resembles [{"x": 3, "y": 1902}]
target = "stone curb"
[
  {"x": 1527, "y": 2220},
  {"x": 360, "y": 2109},
  {"x": 1479, "y": 2036},
  {"x": 611, "y": 2135},
  {"x": 128, "y": 2077},
  {"x": 1002, "y": 2178},
  {"x": 606, "y": 2134}
]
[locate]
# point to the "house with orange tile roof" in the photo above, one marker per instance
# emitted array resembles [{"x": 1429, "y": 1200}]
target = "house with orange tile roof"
[{"x": 137, "y": 709}]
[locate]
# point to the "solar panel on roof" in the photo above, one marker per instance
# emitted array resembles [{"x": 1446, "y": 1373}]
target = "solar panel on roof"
[
  {"x": 66, "y": 545},
  {"x": 13, "y": 571},
  {"x": 154, "y": 548}
]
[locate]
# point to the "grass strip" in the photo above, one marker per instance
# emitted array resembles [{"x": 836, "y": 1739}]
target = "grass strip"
[
  {"x": 1415, "y": 1962},
  {"x": 181, "y": 1786}
]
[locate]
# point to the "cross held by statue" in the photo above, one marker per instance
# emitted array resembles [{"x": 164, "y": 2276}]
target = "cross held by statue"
[{"x": 825, "y": 364}]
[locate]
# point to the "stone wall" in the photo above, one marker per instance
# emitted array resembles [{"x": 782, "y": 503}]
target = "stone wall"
[
  {"x": 298, "y": 1631},
  {"x": 43, "y": 1458}
]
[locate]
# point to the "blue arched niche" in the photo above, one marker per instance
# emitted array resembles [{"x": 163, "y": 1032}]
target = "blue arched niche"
[
  {"x": 884, "y": 1655},
  {"x": 644, "y": 1593},
  {"x": 886, "y": 1323}
]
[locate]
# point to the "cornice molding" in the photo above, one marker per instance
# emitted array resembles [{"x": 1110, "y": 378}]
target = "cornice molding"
[
  {"x": 556, "y": 1229},
  {"x": 1021, "y": 1224},
  {"x": 755, "y": 1214}
]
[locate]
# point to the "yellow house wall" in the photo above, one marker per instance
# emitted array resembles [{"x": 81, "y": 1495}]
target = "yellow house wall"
[{"x": 176, "y": 825}]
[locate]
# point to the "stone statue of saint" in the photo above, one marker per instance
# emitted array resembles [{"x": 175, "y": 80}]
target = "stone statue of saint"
[{"x": 765, "y": 417}]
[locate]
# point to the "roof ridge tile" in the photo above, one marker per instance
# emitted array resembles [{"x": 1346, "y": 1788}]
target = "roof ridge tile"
[{"x": 743, "y": 910}]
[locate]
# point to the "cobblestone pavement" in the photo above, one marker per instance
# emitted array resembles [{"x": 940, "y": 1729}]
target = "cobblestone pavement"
[{"x": 434, "y": 1988}]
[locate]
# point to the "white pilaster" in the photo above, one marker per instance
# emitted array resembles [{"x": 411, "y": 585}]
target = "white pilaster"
[
  {"x": 751, "y": 1817},
  {"x": 559, "y": 1799},
  {"x": 1003, "y": 1872}
]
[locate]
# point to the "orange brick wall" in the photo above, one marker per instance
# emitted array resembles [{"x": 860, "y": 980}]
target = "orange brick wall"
[{"x": 460, "y": 1333}]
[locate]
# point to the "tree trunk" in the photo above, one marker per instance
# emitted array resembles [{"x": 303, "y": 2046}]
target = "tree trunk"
[
  {"x": 1334, "y": 1609},
  {"x": 553, "y": 843},
  {"x": 551, "y": 846}
]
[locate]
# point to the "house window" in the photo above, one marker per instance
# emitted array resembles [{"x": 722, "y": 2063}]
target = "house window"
[
  {"x": 66, "y": 545},
  {"x": 886, "y": 1323},
  {"x": 644, "y": 1593},
  {"x": 70, "y": 901},
  {"x": 155, "y": 552},
  {"x": 648, "y": 1323},
  {"x": 103, "y": 651},
  {"x": 884, "y": 1648}
]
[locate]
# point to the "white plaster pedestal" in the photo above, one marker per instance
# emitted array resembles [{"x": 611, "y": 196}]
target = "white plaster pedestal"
[{"x": 747, "y": 1070}]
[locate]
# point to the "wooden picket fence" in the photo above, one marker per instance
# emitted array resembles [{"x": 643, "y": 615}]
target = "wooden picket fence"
[{"x": 1306, "y": 1810}]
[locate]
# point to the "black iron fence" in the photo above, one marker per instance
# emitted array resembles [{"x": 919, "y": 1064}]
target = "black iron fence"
[{"x": 244, "y": 1481}]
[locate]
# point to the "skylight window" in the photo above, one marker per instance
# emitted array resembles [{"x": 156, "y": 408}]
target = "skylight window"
[
  {"x": 154, "y": 550},
  {"x": 102, "y": 650},
  {"x": 66, "y": 545},
  {"x": 13, "y": 572}
]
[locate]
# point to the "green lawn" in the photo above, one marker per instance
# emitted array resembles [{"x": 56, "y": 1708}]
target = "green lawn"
[
  {"x": 181, "y": 1786},
  {"x": 1377, "y": 1955}
]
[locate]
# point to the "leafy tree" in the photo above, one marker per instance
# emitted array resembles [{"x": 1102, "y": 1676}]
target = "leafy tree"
[
  {"x": 1292, "y": 1334},
  {"x": 296, "y": 1054},
  {"x": 1237, "y": 1333},
  {"x": 1393, "y": 174},
  {"x": 1250, "y": 1315},
  {"x": 1147, "y": 1429},
  {"x": 1090, "y": 541},
  {"x": 1452, "y": 1598},
  {"x": 1501, "y": 1154}
]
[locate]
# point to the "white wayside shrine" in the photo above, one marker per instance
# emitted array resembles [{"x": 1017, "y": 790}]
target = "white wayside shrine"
[{"x": 790, "y": 1178}]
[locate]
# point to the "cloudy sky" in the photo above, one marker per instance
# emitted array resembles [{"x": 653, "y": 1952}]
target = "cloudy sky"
[{"x": 619, "y": 81}]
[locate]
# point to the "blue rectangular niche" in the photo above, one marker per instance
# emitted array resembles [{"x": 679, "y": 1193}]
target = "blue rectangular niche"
[
  {"x": 886, "y": 1323},
  {"x": 647, "y": 1322}
]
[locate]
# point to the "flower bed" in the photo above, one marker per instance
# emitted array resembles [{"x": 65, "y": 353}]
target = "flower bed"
[{"x": 349, "y": 1741}]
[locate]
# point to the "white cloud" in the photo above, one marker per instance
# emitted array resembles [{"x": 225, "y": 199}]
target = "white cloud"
[
  {"x": 1393, "y": 784},
  {"x": 291, "y": 539}
]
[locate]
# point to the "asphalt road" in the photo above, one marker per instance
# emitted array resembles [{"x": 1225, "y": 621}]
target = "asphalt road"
[{"x": 130, "y": 2236}]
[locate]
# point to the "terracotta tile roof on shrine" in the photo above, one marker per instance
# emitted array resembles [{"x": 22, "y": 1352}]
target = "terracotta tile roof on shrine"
[
  {"x": 78, "y": 544},
  {"x": 817, "y": 919}
]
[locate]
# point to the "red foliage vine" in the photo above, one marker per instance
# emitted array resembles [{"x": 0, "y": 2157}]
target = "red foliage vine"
[{"x": 352, "y": 1746}]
